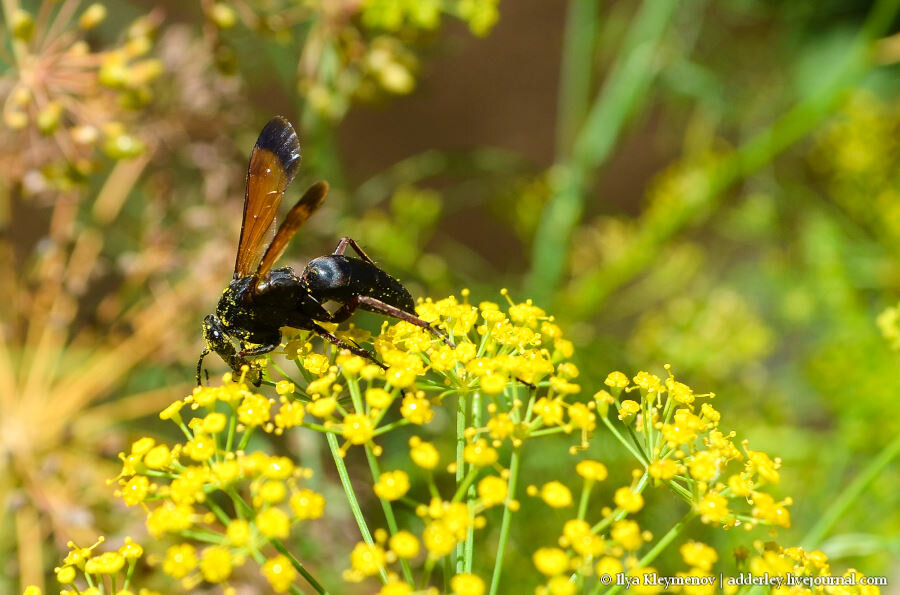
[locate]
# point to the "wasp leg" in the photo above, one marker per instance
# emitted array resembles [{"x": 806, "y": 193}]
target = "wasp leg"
[
  {"x": 203, "y": 354},
  {"x": 260, "y": 349},
  {"x": 354, "y": 348},
  {"x": 345, "y": 241},
  {"x": 344, "y": 312}
]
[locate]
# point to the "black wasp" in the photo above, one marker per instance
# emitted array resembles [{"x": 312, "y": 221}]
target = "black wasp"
[{"x": 260, "y": 300}]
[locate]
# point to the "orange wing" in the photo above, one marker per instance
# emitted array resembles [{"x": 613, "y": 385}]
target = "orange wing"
[
  {"x": 273, "y": 163},
  {"x": 296, "y": 217}
]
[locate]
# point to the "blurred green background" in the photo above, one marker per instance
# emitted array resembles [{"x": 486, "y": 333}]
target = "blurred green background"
[{"x": 713, "y": 185}]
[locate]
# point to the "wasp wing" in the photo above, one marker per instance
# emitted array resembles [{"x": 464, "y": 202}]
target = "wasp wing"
[
  {"x": 273, "y": 163},
  {"x": 296, "y": 217}
]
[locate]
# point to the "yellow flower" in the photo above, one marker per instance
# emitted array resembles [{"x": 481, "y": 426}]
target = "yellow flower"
[
  {"x": 238, "y": 533},
  {"x": 648, "y": 383},
  {"x": 713, "y": 508},
  {"x": 549, "y": 410},
  {"x": 367, "y": 560},
  {"x": 396, "y": 588},
  {"x": 627, "y": 533},
  {"x": 767, "y": 510},
  {"x": 158, "y": 457},
  {"x": 180, "y": 560},
  {"x": 392, "y": 485},
  {"x": 501, "y": 426},
  {"x": 766, "y": 468},
  {"x": 400, "y": 377},
  {"x": 213, "y": 423},
  {"x": 582, "y": 417},
  {"x": 663, "y": 469},
  {"x": 628, "y": 408},
  {"x": 556, "y": 494},
  {"x": 201, "y": 448},
  {"x": 357, "y": 428},
  {"x": 439, "y": 539},
  {"x": 379, "y": 398},
  {"x": 492, "y": 490},
  {"x": 704, "y": 466},
  {"x": 577, "y": 534},
  {"x": 551, "y": 561},
  {"x": 592, "y": 470},
  {"x": 278, "y": 467},
  {"x": 467, "y": 584},
  {"x": 628, "y": 500},
  {"x": 170, "y": 517},
  {"x": 740, "y": 485},
  {"x": 279, "y": 572},
  {"x": 560, "y": 585},
  {"x": 135, "y": 491},
  {"x": 350, "y": 364},
  {"x": 416, "y": 409},
  {"x": 423, "y": 454},
  {"x": 215, "y": 564},
  {"x": 645, "y": 581},
  {"x": 274, "y": 523},
  {"x": 404, "y": 544},
  {"x": 609, "y": 565},
  {"x": 254, "y": 410},
  {"x": 493, "y": 384},
  {"x": 32, "y": 590},
  {"x": 321, "y": 386},
  {"x": 172, "y": 411},
  {"x": 698, "y": 555},
  {"x": 66, "y": 575},
  {"x": 106, "y": 563},
  {"x": 290, "y": 414},
  {"x": 322, "y": 407},
  {"x": 316, "y": 363},
  {"x": 131, "y": 550},
  {"x": 480, "y": 454},
  {"x": 271, "y": 492},
  {"x": 616, "y": 380},
  {"x": 307, "y": 504}
]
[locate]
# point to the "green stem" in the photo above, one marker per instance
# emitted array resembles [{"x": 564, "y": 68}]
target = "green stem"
[
  {"x": 628, "y": 446},
  {"x": 850, "y": 495},
  {"x": 506, "y": 522},
  {"x": 298, "y": 566},
  {"x": 460, "y": 464},
  {"x": 625, "y": 87},
  {"x": 351, "y": 496},
  {"x": 469, "y": 549},
  {"x": 585, "y": 498},
  {"x": 576, "y": 71},
  {"x": 375, "y": 468}
]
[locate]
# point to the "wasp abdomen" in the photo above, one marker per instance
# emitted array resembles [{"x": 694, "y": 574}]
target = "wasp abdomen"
[{"x": 341, "y": 278}]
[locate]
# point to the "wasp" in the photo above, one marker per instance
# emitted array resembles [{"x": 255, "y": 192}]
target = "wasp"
[{"x": 261, "y": 300}]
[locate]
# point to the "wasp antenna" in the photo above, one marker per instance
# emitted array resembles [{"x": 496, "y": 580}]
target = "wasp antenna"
[{"x": 279, "y": 137}]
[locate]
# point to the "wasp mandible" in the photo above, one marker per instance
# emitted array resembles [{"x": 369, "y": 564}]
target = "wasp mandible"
[{"x": 261, "y": 300}]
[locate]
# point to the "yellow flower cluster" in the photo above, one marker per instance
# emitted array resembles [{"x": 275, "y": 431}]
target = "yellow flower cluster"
[
  {"x": 776, "y": 560},
  {"x": 678, "y": 440},
  {"x": 180, "y": 486},
  {"x": 508, "y": 379},
  {"x": 113, "y": 568},
  {"x": 70, "y": 95}
]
